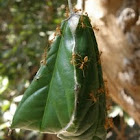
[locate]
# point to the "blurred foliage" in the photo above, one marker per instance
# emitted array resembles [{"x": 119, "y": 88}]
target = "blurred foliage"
[
  {"x": 25, "y": 26},
  {"x": 24, "y": 32}
]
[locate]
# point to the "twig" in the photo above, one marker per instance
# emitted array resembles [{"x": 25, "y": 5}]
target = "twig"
[
  {"x": 83, "y": 5},
  {"x": 123, "y": 126},
  {"x": 70, "y": 6},
  {"x": 119, "y": 134}
]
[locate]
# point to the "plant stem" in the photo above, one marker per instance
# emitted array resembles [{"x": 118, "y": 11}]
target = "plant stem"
[{"x": 70, "y": 6}]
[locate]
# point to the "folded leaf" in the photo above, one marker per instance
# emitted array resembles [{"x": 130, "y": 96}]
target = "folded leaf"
[{"x": 67, "y": 95}]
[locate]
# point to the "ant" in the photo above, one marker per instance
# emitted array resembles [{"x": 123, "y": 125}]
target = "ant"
[
  {"x": 108, "y": 123},
  {"x": 84, "y": 26},
  {"x": 51, "y": 41},
  {"x": 73, "y": 59},
  {"x": 57, "y": 31},
  {"x": 95, "y": 28},
  {"x": 77, "y": 10},
  {"x": 99, "y": 57},
  {"x": 82, "y": 22},
  {"x": 85, "y": 60},
  {"x": 43, "y": 61},
  {"x": 101, "y": 90},
  {"x": 82, "y": 63},
  {"x": 106, "y": 88},
  {"x": 92, "y": 97},
  {"x": 86, "y": 13},
  {"x": 108, "y": 107},
  {"x": 67, "y": 12}
]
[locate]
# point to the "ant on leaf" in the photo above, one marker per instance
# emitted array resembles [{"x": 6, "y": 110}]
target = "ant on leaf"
[
  {"x": 92, "y": 97},
  {"x": 44, "y": 56},
  {"x": 82, "y": 61},
  {"x": 67, "y": 12},
  {"x": 108, "y": 123},
  {"x": 77, "y": 10},
  {"x": 57, "y": 31}
]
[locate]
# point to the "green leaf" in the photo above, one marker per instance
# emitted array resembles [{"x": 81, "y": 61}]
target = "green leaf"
[{"x": 64, "y": 96}]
